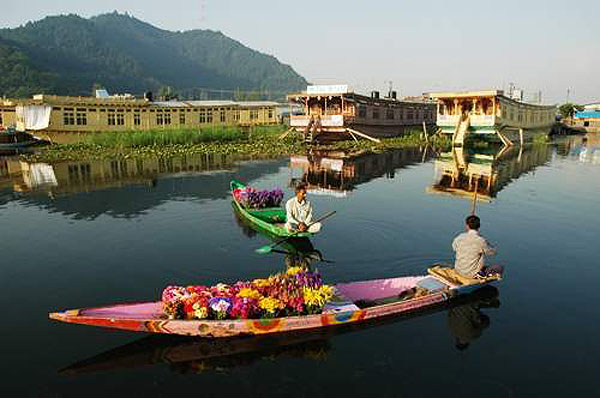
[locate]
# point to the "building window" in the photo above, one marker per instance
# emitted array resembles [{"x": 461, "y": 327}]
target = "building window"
[
  {"x": 389, "y": 114},
  {"x": 111, "y": 118},
  {"x": 167, "y": 118},
  {"x": 222, "y": 115},
  {"x": 253, "y": 114},
  {"x": 236, "y": 115},
  {"x": 159, "y": 119},
  {"x": 1, "y": 120},
  {"x": 362, "y": 111},
  {"x": 120, "y": 119},
  {"x": 410, "y": 115},
  {"x": 181, "y": 117},
  {"x": 81, "y": 118},
  {"x": 136, "y": 119},
  {"x": 375, "y": 113},
  {"x": 270, "y": 113},
  {"x": 68, "y": 118}
]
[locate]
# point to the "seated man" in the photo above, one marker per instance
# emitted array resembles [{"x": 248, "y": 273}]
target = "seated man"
[
  {"x": 299, "y": 213},
  {"x": 471, "y": 249}
]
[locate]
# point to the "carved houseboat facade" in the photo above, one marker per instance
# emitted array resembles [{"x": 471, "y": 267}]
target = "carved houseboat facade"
[
  {"x": 335, "y": 112},
  {"x": 490, "y": 113}
]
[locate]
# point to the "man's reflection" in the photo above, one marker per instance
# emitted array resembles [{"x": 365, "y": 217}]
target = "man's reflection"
[{"x": 467, "y": 322}]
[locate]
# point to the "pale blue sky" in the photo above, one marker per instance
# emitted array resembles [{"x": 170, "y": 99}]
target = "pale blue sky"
[{"x": 419, "y": 45}]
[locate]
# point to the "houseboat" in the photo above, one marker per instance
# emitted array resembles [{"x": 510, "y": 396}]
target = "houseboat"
[
  {"x": 588, "y": 119},
  {"x": 492, "y": 114},
  {"x": 63, "y": 119},
  {"x": 334, "y": 112}
]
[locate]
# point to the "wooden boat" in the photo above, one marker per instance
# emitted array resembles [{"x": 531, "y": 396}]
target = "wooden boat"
[
  {"x": 353, "y": 302},
  {"x": 270, "y": 220},
  {"x": 183, "y": 353},
  {"x": 333, "y": 112},
  {"x": 10, "y": 139}
]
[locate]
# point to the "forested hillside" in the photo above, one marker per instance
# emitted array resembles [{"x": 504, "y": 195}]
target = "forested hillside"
[{"x": 67, "y": 55}]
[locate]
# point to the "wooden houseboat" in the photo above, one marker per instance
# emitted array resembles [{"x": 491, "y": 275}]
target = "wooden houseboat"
[
  {"x": 70, "y": 116},
  {"x": 334, "y": 112},
  {"x": 492, "y": 114}
]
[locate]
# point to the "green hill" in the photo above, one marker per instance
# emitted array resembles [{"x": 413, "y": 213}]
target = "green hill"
[{"x": 67, "y": 55}]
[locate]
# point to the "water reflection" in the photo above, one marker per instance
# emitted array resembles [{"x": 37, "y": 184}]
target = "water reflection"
[
  {"x": 121, "y": 188},
  {"x": 194, "y": 355},
  {"x": 463, "y": 172},
  {"x": 585, "y": 149},
  {"x": 336, "y": 173}
]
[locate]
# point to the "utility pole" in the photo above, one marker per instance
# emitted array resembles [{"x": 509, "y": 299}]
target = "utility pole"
[{"x": 568, "y": 94}]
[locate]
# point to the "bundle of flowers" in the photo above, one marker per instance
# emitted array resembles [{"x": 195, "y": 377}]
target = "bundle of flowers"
[
  {"x": 251, "y": 198},
  {"x": 297, "y": 291}
]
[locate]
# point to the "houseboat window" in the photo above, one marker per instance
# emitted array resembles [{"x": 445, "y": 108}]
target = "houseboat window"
[
  {"x": 209, "y": 115},
  {"x": 389, "y": 114},
  {"x": 1, "y": 120},
  {"x": 222, "y": 115},
  {"x": 236, "y": 115},
  {"x": 253, "y": 114},
  {"x": 202, "y": 116},
  {"x": 120, "y": 119},
  {"x": 362, "y": 111},
  {"x": 128, "y": 110},
  {"x": 375, "y": 113},
  {"x": 81, "y": 118},
  {"x": 136, "y": 119},
  {"x": 111, "y": 119},
  {"x": 68, "y": 118},
  {"x": 92, "y": 110},
  {"x": 167, "y": 118},
  {"x": 270, "y": 114},
  {"x": 182, "y": 117},
  {"x": 410, "y": 115},
  {"x": 159, "y": 118}
]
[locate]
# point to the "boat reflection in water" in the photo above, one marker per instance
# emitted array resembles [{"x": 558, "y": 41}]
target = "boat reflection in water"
[
  {"x": 187, "y": 354},
  {"x": 93, "y": 175},
  {"x": 461, "y": 172},
  {"x": 297, "y": 251},
  {"x": 336, "y": 173}
]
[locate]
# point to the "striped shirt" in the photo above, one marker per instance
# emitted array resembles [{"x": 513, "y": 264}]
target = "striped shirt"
[{"x": 471, "y": 249}]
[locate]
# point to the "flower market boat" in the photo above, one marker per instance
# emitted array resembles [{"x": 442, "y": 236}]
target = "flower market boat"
[
  {"x": 295, "y": 300},
  {"x": 199, "y": 355},
  {"x": 270, "y": 219}
]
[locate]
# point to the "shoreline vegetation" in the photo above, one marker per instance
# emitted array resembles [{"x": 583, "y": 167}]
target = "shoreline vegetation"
[{"x": 259, "y": 141}]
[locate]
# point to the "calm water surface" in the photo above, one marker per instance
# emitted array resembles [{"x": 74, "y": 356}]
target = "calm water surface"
[{"x": 94, "y": 233}]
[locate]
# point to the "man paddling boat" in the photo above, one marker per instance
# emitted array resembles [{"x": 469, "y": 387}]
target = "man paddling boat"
[
  {"x": 471, "y": 250},
  {"x": 299, "y": 213}
]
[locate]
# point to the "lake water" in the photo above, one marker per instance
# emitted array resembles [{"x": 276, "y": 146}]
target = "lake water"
[{"x": 94, "y": 233}]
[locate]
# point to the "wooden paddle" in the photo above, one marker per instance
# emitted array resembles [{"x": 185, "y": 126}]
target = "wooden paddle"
[{"x": 268, "y": 248}]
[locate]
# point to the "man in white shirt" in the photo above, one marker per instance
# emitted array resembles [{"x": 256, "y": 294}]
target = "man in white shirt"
[
  {"x": 299, "y": 213},
  {"x": 471, "y": 249}
]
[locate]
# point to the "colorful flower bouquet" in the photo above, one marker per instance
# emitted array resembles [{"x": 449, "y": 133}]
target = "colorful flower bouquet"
[
  {"x": 249, "y": 197},
  {"x": 297, "y": 291}
]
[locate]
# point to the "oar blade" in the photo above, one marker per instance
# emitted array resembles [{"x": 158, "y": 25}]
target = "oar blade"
[{"x": 264, "y": 249}]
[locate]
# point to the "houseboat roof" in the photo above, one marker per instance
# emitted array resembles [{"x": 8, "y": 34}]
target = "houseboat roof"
[{"x": 466, "y": 94}]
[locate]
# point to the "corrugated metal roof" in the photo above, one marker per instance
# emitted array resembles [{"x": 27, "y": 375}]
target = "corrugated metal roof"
[
  {"x": 257, "y": 103},
  {"x": 211, "y": 103}
]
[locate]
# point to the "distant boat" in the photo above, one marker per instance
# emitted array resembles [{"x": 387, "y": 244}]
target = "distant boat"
[
  {"x": 490, "y": 113},
  {"x": 333, "y": 112},
  {"x": 11, "y": 139},
  {"x": 353, "y": 302}
]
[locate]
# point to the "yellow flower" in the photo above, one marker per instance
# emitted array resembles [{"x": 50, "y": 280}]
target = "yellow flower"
[
  {"x": 294, "y": 270},
  {"x": 317, "y": 297},
  {"x": 200, "y": 312},
  {"x": 260, "y": 283},
  {"x": 269, "y": 304},
  {"x": 250, "y": 293}
]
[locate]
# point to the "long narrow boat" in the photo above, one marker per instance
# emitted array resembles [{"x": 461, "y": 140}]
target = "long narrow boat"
[
  {"x": 353, "y": 302},
  {"x": 270, "y": 220}
]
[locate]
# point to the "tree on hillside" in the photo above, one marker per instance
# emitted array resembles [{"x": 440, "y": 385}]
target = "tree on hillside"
[{"x": 568, "y": 110}]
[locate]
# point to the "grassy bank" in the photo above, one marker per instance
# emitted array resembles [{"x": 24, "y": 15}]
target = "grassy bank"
[{"x": 261, "y": 141}]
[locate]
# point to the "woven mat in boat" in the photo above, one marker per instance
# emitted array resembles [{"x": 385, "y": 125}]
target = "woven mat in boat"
[{"x": 450, "y": 275}]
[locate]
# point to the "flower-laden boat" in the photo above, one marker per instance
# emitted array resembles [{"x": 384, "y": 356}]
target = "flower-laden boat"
[
  {"x": 262, "y": 210},
  {"x": 294, "y": 300}
]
